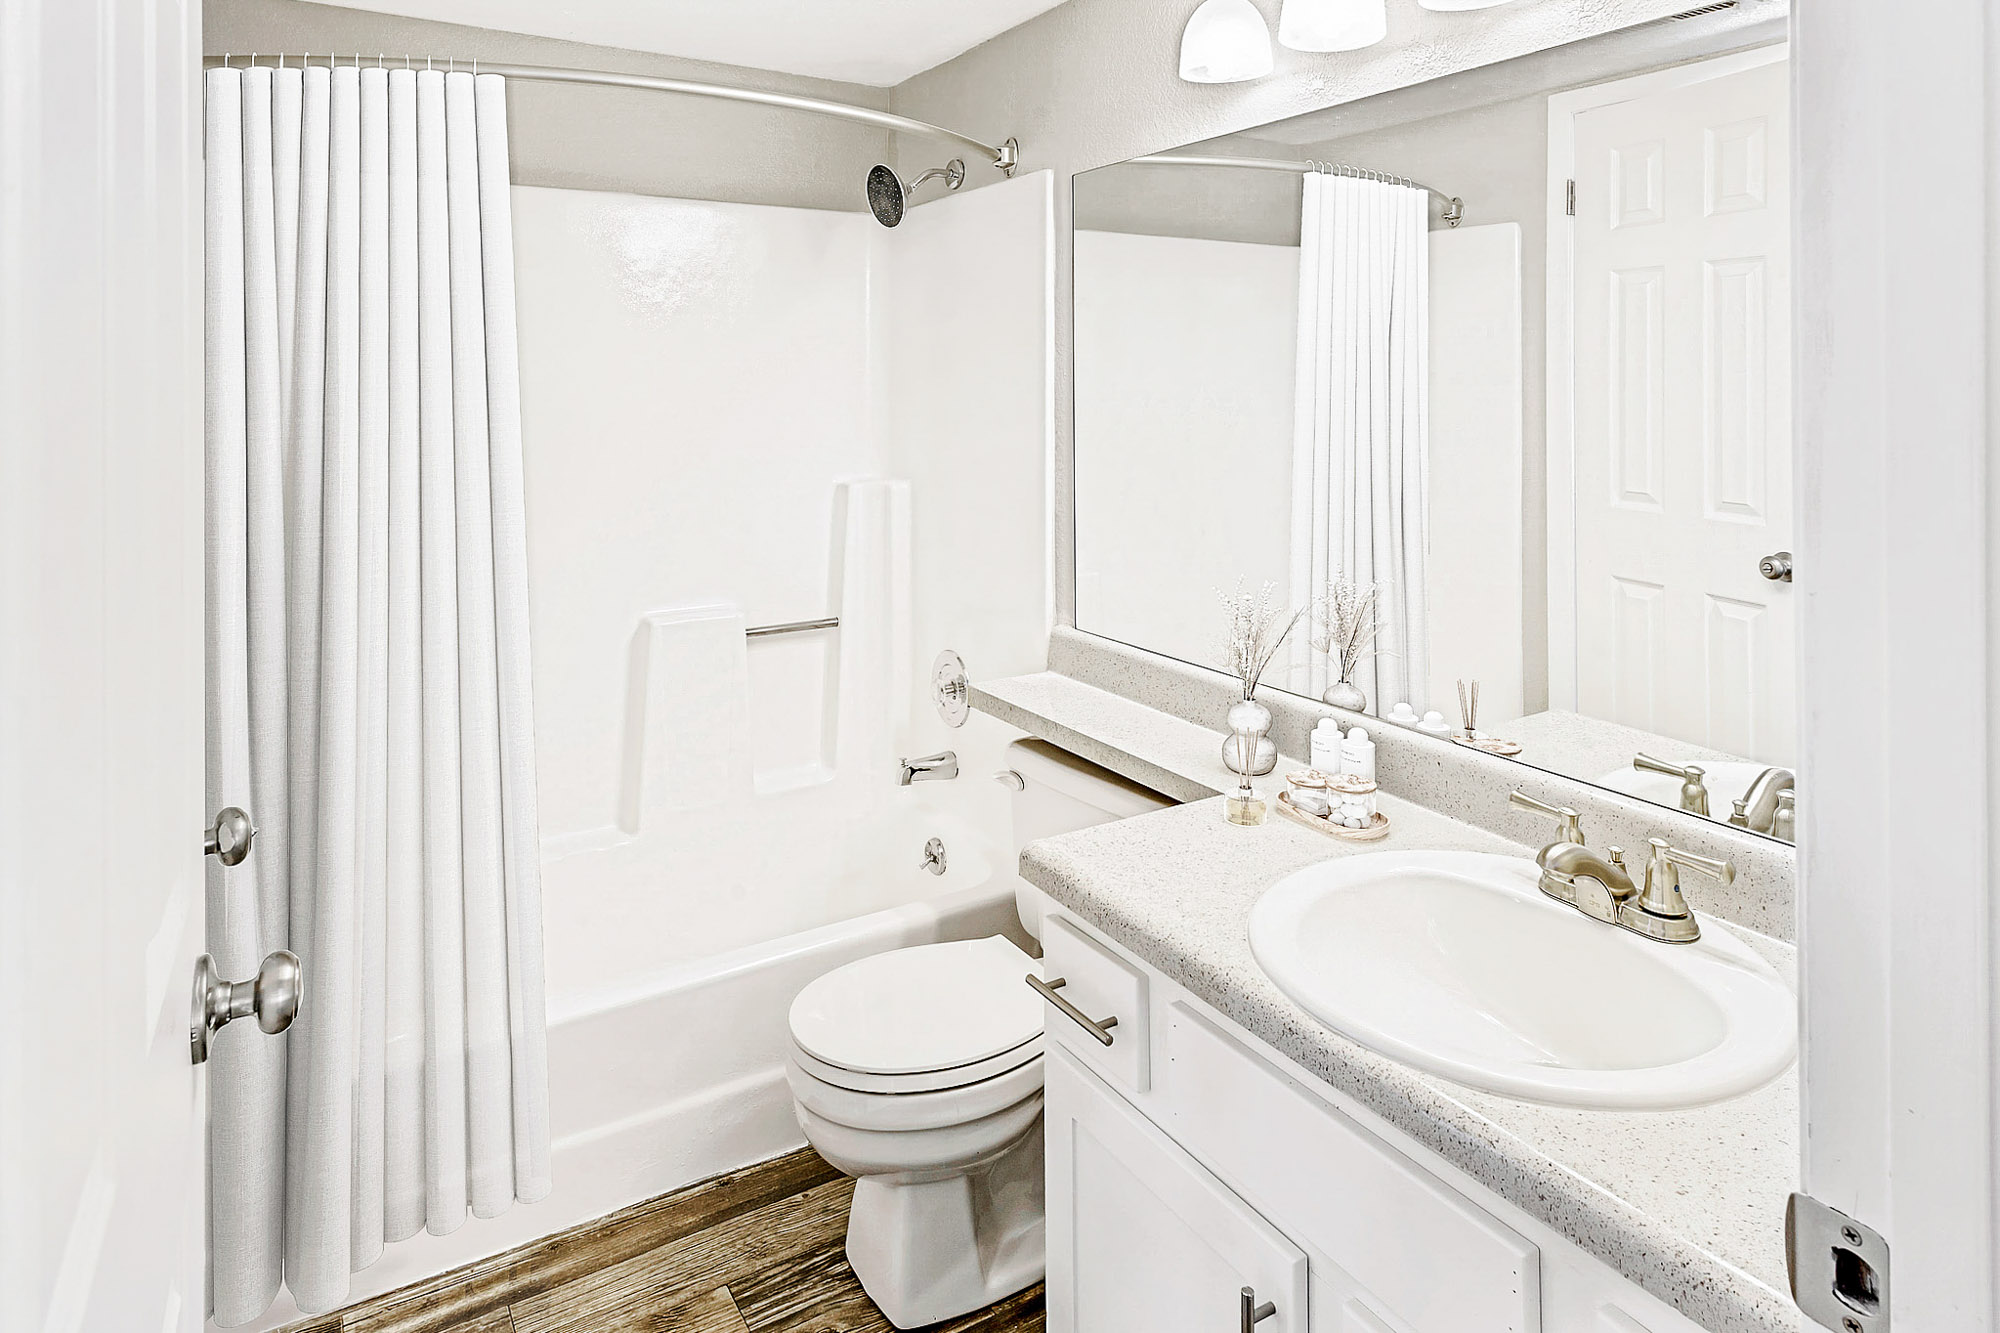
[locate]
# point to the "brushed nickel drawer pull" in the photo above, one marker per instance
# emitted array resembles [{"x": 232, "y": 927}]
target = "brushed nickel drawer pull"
[
  {"x": 1253, "y": 1313},
  {"x": 1100, "y": 1030}
]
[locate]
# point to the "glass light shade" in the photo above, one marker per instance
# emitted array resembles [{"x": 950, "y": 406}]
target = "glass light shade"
[
  {"x": 1333, "y": 25},
  {"x": 1225, "y": 42},
  {"x": 1454, "y": 6}
]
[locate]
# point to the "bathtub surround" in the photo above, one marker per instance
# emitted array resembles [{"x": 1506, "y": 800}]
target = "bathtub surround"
[
  {"x": 1156, "y": 314},
  {"x": 733, "y": 417},
  {"x": 368, "y": 672}
]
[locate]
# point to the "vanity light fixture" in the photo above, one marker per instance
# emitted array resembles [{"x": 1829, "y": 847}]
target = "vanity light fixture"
[
  {"x": 1226, "y": 41},
  {"x": 1333, "y": 25}
]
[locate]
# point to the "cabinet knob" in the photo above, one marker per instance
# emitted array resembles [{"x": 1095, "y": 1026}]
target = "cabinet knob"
[{"x": 1254, "y": 1313}]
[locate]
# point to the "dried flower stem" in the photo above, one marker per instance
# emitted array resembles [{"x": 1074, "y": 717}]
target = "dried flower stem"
[
  {"x": 1258, "y": 626},
  {"x": 1345, "y": 613}
]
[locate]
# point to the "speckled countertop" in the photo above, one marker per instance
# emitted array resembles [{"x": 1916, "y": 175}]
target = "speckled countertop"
[{"x": 1688, "y": 1204}]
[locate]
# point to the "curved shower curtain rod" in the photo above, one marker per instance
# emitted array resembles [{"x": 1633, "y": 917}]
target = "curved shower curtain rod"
[
  {"x": 1454, "y": 207},
  {"x": 1006, "y": 156}
]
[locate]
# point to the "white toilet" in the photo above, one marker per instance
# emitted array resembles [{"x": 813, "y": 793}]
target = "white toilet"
[{"x": 919, "y": 1073}]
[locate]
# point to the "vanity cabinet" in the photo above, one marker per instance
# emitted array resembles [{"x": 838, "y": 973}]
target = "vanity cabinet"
[
  {"x": 1142, "y": 1239},
  {"x": 1184, "y": 1172}
]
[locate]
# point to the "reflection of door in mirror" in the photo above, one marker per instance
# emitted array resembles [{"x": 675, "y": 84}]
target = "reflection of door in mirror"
[{"x": 1681, "y": 451}]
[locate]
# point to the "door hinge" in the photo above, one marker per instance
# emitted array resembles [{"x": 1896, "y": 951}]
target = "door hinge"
[
  {"x": 1839, "y": 1267},
  {"x": 1569, "y": 198}
]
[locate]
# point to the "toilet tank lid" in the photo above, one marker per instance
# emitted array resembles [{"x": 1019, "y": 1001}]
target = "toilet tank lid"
[{"x": 1051, "y": 766}]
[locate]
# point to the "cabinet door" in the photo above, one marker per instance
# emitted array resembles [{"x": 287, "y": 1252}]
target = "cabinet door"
[{"x": 1141, "y": 1238}]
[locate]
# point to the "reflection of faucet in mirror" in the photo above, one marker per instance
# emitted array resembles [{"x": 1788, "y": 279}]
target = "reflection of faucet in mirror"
[
  {"x": 1694, "y": 796},
  {"x": 1757, "y": 810}
]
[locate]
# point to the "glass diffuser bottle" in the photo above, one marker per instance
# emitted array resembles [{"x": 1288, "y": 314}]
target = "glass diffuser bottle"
[{"x": 1244, "y": 806}]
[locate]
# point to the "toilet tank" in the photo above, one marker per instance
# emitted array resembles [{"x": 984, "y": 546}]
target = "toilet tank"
[{"x": 1061, "y": 793}]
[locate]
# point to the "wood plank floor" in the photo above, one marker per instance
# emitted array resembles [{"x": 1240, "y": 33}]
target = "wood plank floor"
[{"x": 759, "y": 1250}]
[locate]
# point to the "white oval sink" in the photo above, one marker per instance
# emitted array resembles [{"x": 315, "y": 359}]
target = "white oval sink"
[{"x": 1456, "y": 963}]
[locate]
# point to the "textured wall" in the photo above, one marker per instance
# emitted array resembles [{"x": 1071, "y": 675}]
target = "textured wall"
[
  {"x": 603, "y": 138},
  {"x": 1097, "y": 81}
]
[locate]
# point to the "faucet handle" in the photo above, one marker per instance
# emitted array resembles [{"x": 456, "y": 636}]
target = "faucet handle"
[
  {"x": 1661, "y": 898},
  {"x": 1569, "y": 823},
  {"x": 1694, "y": 795},
  {"x": 1663, "y": 855}
]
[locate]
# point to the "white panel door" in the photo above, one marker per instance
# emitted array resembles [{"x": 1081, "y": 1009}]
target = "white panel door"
[
  {"x": 100, "y": 665},
  {"x": 1682, "y": 434},
  {"x": 1141, "y": 1239}
]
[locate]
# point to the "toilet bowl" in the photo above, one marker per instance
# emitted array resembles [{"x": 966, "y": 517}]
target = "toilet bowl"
[{"x": 919, "y": 1073}]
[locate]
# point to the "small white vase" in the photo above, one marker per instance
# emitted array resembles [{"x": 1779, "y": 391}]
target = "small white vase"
[
  {"x": 1346, "y": 694},
  {"x": 1249, "y": 729}
]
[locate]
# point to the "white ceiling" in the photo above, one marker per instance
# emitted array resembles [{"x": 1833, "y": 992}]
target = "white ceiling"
[{"x": 878, "y": 42}]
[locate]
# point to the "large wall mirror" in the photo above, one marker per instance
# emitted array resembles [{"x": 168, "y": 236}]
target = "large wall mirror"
[{"x": 1490, "y": 372}]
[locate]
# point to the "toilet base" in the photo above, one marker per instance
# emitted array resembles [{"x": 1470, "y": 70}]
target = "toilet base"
[{"x": 933, "y": 1249}]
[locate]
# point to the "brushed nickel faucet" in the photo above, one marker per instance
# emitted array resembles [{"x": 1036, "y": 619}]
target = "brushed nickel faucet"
[
  {"x": 939, "y": 767},
  {"x": 1602, "y": 887},
  {"x": 1694, "y": 795},
  {"x": 1758, "y": 808}
]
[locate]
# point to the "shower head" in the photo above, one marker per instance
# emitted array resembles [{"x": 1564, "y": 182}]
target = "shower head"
[{"x": 887, "y": 191}]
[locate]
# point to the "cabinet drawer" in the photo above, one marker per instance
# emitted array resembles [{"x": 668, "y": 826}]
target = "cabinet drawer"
[
  {"x": 1099, "y": 985},
  {"x": 1432, "y": 1258}
]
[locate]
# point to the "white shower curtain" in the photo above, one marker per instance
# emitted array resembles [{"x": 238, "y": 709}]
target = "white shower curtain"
[
  {"x": 1361, "y": 438},
  {"x": 368, "y": 674}
]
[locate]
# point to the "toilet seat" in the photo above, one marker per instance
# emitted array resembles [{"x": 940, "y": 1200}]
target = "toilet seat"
[
  {"x": 935, "y": 1080},
  {"x": 920, "y": 1019}
]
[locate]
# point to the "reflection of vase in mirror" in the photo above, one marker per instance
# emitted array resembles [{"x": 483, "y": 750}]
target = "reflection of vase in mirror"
[
  {"x": 1344, "y": 693},
  {"x": 1249, "y": 733}
]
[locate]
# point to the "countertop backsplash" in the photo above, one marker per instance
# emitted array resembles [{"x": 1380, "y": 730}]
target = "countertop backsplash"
[{"x": 1455, "y": 780}]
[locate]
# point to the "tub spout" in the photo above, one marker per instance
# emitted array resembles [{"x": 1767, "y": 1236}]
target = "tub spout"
[{"x": 939, "y": 767}]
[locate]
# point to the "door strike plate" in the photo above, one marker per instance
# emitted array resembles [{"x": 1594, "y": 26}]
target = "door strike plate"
[{"x": 1839, "y": 1267}]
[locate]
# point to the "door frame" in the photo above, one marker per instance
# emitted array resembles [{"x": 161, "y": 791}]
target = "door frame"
[
  {"x": 1560, "y": 331},
  {"x": 1898, "y": 566}
]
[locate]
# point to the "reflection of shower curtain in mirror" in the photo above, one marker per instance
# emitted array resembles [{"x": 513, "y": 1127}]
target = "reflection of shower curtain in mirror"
[
  {"x": 368, "y": 675},
  {"x": 1360, "y": 452}
]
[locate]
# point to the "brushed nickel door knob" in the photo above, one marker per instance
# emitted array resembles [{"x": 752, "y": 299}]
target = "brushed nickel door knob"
[{"x": 272, "y": 996}]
